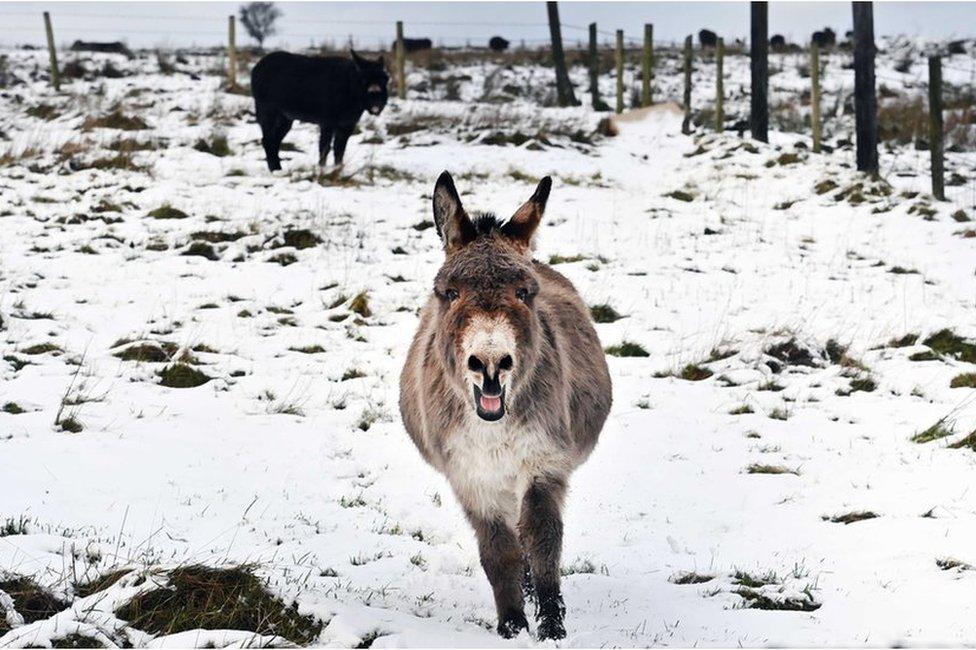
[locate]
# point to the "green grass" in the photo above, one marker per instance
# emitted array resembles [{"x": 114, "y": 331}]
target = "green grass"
[
  {"x": 627, "y": 349},
  {"x": 167, "y": 212},
  {"x": 690, "y": 578},
  {"x": 937, "y": 431},
  {"x": 745, "y": 409},
  {"x": 216, "y": 146},
  {"x": 969, "y": 442},
  {"x": 948, "y": 343},
  {"x": 756, "y": 600},
  {"x": 903, "y": 342},
  {"x": 851, "y": 517},
  {"x": 147, "y": 352},
  {"x": 747, "y": 579},
  {"x": 757, "y": 468},
  {"x": 694, "y": 372},
  {"x": 41, "y": 348},
  {"x": 965, "y": 380},
  {"x": 13, "y": 526},
  {"x": 13, "y": 408},
  {"x": 604, "y": 313},
  {"x": 308, "y": 349},
  {"x": 71, "y": 424},
  {"x": 31, "y": 601},
  {"x": 565, "y": 259},
  {"x": 360, "y": 304},
  {"x": 199, "y": 597},
  {"x": 180, "y": 375}
]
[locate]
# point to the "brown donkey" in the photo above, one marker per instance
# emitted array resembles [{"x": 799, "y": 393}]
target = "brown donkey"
[{"x": 505, "y": 390}]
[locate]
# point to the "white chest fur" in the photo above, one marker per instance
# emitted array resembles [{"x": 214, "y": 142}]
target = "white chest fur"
[{"x": 491, "y": 465}]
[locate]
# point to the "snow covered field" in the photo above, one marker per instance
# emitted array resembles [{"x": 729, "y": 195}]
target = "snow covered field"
[{"x": 788, "y": 462}]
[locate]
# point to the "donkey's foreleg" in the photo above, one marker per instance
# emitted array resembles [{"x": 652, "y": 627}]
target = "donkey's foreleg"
[
  {"x": 541, "y": 531},
  {"x": 501, "y": 558}
]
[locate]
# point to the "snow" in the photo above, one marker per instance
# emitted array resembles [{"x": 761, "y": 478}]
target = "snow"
[{"x": 280, "y": 461}]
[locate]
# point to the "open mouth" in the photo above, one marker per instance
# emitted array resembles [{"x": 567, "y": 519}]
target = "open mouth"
[{"x": 489, "y": 407}]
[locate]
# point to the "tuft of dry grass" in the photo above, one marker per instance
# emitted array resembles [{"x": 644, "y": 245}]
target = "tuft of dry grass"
[{"x": 200, "y": 597}]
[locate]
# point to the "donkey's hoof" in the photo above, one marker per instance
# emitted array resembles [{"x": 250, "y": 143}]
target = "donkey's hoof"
[
  {"x": 551, "y": 628},
  {"x": 511, "y": 624}
]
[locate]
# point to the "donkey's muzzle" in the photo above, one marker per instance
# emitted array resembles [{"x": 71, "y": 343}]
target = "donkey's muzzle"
[{"x": 490, "y": 407}]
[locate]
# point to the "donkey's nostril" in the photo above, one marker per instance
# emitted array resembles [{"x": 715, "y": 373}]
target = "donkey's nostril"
[
  {"x": 505, "y": 363},
  {"x": 474, "y": 363}
]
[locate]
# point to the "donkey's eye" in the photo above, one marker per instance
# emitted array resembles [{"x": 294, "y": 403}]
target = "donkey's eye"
[
  {"x": 451, "y": 295},
  {"x": 522, "y": 294}
]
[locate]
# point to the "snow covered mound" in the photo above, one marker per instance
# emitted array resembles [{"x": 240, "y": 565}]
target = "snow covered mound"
[{"x": 200, "y": 360}]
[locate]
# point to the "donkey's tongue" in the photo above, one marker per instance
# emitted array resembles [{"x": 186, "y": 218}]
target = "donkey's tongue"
[{"x": 490, "y": 404}]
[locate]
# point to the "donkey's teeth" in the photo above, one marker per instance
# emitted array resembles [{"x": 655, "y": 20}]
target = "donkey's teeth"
[{"x": 491, "y": 404}]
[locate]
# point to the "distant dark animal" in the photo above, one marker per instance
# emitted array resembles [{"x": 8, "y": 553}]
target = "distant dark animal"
[
  {"x": 415, "y": 45},
  {"x": 113, "y": 47},
  {"x": 825, "y": 38},
  {"x": 707, "y": 38},
  {"x": 777, "y": 41},
  {"x": 498, "y": 44},
  {"x": 329, "y": 91},
  {"x": 957, "y": 47},
  {"x": 505, "y": 390}
]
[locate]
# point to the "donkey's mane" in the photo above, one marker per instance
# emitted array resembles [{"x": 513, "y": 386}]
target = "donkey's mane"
[{"x": 486, "y": 223}]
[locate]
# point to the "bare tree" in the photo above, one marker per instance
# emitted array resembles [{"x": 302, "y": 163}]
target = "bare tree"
[{"x": 259, "y": 19}]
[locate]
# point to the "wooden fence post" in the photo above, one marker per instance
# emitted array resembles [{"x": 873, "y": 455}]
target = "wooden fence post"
[
  {"x": 595, "y": 71},
  {"x": 647, "y": 65},
  {"x": 935, "y": 127},
  {"x": 401, "y": 55},
  {"x": 686, "y": 122},
  {"x": 620, "y": 71},
  {"x": 55, "y": 74},
  {"x": 759, "y": 67},
  {"x": 719, "y": 85},
  {"x": 231, "y": 53},
  {"x": 815, "y": 95},
  {"x": 865, "y": 100},
  {"x": 564, "y": 87}
]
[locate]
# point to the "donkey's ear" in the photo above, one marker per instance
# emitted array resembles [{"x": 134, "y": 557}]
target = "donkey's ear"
[
  {"x": 358, "y": 60},
  {"x": 522, "y": 226},
  {"x": 453, "y": 224}
]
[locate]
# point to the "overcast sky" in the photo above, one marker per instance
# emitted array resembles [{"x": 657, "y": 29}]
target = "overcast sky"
[{"x": 155, "y": 24}]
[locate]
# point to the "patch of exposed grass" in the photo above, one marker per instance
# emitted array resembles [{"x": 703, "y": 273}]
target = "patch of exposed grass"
[
  {"x": 905, "y": 341},
  {"x": 969, "y": 442},
  {"x": 694, "y": 372},
  {"x": 360, "y": 304},
  {"x": 627, "y": 349},
  {"x": 101, "y": 583},
  {"x": 757, "y": 468},
  {"x": 950, "y": 344},
  {"x": 13, "y": 526},
  {"x": 746, "y": 579},
  {"x": 147, "y": 352},
  {"x": 965, "y": 380},
  {"x": 167, "y": 212},
  {"x": 924, "y": 355},
  {"x": 579, "y": 566},
  {"x": 353, "y": 373},
  {"x": 201, "y": 249},
  {"x": 791, "y": 353},
  {"x": 308, "y": 349},
  {"x": 115, "y": 120},
  {"x": 681, "y": 195},
  {"x": 604, "y": 313},
  {"x": 851, "y": 517},
  {"x": 779, "y": 414},
  {"x": 180, "y": 375},
  {"x": 565, "y": 259},
  {"x": 199, "y": 597},
  {"x": 299, "y": 238},
  {"x": 41, "y": 348},
  {"x": 950, "y": 564},
  {"x": 741, "y": 410},
  {"x": 771, "y": 385},
  {"x": 937, "y": 431},
  {"x": 690, "y": 578},
  {"x": 756, "y": 600},
  {"x": 13, "y": 408},
  {"x": 71, "y": 424},
  {"x": 215, "y": 146},
  {"x": 32, "y": 601}
]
